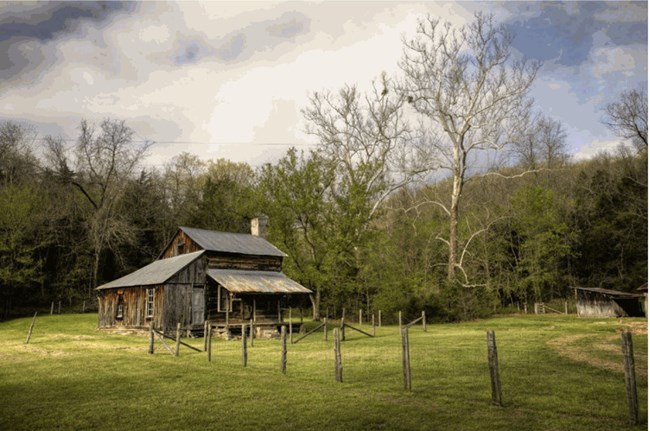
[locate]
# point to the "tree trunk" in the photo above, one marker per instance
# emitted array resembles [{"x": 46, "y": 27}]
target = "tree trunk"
[
  {"x": 453, "y": 226},
  {"x": 315, "y": 304}
]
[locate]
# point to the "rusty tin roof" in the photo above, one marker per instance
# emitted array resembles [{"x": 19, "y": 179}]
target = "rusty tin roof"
[
  {"x": 157, "y": 272},
  {"x": 238, "y": 281},
  {"x": 227, "y": 242}
]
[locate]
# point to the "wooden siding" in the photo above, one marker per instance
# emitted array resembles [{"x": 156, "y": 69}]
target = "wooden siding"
[
  {"x": 133, "y": 311},
  {"x": 178, "y": 295},
  {"x": 238, "y": 261},
  {"x": 172, "y": 302},
  {"x": 188, "y": 246}
]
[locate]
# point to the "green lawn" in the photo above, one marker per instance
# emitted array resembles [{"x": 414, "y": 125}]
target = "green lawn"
[{"x": 557, "y": 372}]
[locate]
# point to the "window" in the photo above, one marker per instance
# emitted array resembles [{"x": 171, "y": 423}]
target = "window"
[
  {"x": 149, "y": 304},
  {"x": 119, "y": 311}
]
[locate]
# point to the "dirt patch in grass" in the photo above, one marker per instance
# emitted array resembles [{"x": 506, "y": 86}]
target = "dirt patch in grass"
[
  {"x": 636, "y": 328},
  {"x": 587, "y": 348}
]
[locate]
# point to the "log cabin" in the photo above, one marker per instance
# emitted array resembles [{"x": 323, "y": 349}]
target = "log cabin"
[{"x": 224, "y": 278}]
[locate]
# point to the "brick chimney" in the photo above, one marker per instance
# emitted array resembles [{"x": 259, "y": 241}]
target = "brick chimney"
[{"x": 258, "y": 226}]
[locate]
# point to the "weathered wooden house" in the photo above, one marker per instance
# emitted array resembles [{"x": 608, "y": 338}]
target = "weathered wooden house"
[
  {"x": 599, "y": 302},
  {"x": 224, "y": 278}
]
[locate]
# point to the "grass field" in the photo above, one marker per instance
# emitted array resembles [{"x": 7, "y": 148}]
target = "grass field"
[{"x": 557, "y": 373}]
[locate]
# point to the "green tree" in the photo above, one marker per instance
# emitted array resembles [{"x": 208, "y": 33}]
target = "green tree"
[
  {"x": 228, "y": 197},
  {"x": 296, "y": 192},
  {"x": 542, "y": 241},
  {"x": 20, "y": 242}
]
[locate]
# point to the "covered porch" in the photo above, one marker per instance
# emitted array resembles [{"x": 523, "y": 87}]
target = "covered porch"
[{"x": 236, "y": 297}]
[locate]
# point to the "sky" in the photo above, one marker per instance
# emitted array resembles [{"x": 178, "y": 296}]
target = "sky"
[{"x": 229, "y": 79}]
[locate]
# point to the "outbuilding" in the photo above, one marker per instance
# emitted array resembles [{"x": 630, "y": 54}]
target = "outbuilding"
[
  {"x": 599, "y": 302},
  {"x": 203, "y": 275}
]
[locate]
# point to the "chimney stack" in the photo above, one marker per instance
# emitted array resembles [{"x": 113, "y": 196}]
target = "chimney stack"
[{"x": 258, "y": 226}]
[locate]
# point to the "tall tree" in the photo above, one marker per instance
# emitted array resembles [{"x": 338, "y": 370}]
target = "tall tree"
[
  {"x": 466, "y": 82},
  {"x": 104, "y": 159},
  {"x": 228, "y": 197},
  {"x": 296, "y": 191},
  {"x": 20, "y": 239},
  {"x": 542, "y": 241},
  {"x": 17, "y": 163},
  {"x": 368, "y": 144}
]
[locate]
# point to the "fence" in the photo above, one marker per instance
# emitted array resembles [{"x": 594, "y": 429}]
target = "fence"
[{"x": 414, "y": 360}]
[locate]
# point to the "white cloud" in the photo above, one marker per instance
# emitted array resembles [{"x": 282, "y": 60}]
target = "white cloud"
[{"x": 607, "y": 60}]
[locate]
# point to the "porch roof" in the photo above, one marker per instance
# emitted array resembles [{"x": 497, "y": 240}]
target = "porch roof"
[{"x": 239, "y": 281}]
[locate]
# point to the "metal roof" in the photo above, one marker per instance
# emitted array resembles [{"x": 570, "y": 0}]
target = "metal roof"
[
  {"x": 610, "y": 292},
  {"x": 157, "y": 272},
  {"x": 227, "y": 242},
  {"x": 238, "y": 281}
]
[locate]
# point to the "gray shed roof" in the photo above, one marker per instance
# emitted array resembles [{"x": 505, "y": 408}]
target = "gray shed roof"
[
  {"x": 157, "y": 272},
  {"x": 238, "y": 281},
  {"x": 239, "y": 243},
  {"x": 610, "y": 292}
]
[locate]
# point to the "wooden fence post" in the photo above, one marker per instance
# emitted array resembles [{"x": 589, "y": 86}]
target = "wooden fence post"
[
  {"x": 399, "y": 319},
  {"x": 525, "y": 308},
  {"x": 209, "y": 342},
  {"x": 360, "y": 316},
  {"x": 59, "y": 308},
  {"x": 83, "y": 307},
  {"x": 424, "y": 321},
  {"x": 373, "y": 324},
  {"x": 338, "y": 366},
  {"x": 290, "y": 327},
  {"x": 566, "y": 307},
  {"x": 31, "y": 328},
  {"x": 244, "y": 346},
  {"x": 205, "y": 336},
  {"x": 252, "y": 334},
  {"x": 493, "y": 362},
  {"x": 379, "y": 318},
  {"x": 228, "y": 305},
  {"x": 630, "y": 377},
  {"x": 342, "y": 335},
  {"x": 151, "y": 337},
  {"x": 406, "y": 360},
  {"x": 52, "y": 309},
  {"x": 325, "y": 329},
  {"x": 283, "y": 353},
  {"x": 178, "y": 339}
]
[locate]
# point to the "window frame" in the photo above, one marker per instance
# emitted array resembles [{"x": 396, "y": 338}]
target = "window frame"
[
  {"x": 149, "y": 301},
  {"x": 119, "y": 308}
]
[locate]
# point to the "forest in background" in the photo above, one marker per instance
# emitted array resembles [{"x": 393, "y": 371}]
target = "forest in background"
[{"x": 442, "y": 189}]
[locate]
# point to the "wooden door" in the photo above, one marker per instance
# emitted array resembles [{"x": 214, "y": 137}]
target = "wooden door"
[{"x": 198, "y": 306}]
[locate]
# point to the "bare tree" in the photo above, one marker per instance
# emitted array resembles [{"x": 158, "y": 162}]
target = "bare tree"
[
  {"x": 629, "y": 117},
  {"x": 543, "y": 146},
  {"x": 366, "y": 137},
  {"x": 104, "y": 158},
  {"x": 16, "y": 159},
  {"x": 465, "y": 82}
]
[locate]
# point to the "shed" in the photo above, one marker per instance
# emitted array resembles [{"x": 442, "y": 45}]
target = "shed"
[
  {"x": 600, "y": 302},
  {"x": 201, "y": 275}
]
